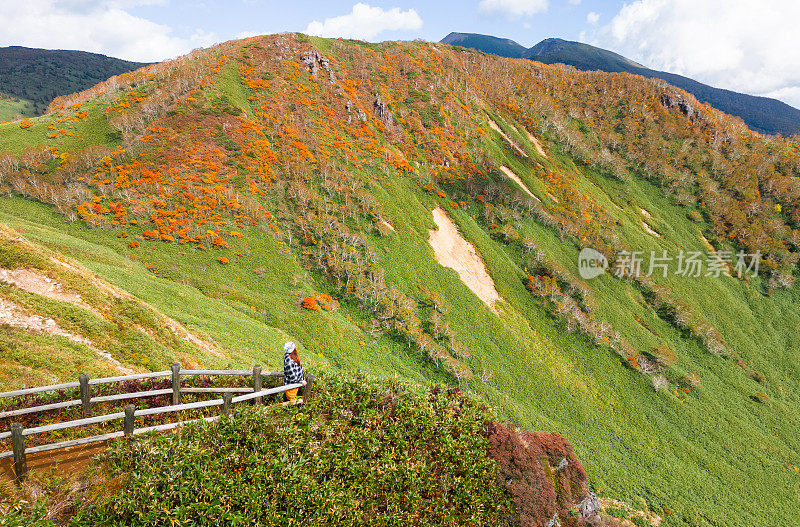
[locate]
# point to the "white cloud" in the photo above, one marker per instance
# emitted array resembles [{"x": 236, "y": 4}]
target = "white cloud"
[
  {"x": 789, "y": 95},
  {"x": 593, "y": 18},
  {"x": 514, "y": 8},
  {"x": 95, "y": 26},
  {"x": 365, "y": 22},
  {"x": 741, "y": 45}
]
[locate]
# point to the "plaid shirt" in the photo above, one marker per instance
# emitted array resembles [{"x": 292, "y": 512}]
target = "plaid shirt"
[{"x": 292, "y": 372}]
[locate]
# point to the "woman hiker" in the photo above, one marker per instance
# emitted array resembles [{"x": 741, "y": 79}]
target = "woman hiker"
[{"x": 293, "y": 372}]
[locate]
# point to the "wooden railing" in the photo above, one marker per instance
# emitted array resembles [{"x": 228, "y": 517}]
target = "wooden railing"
[{"x": 18, "y": 433}]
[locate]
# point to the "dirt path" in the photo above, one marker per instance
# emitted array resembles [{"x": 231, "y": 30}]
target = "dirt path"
[
  {"x": 511, "y": 175},
  {"x": 176, "y": 327},
  {"x": 37, "y": 283},
  {"x": 65, "y": 462},
  {"x": 713, "y": 252},
  {"x": 14, "y": 315},
  {"x": 454, "y": 251}
]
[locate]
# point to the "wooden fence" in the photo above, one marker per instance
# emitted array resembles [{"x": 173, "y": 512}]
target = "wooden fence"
[{"x": 18, "y": 433}]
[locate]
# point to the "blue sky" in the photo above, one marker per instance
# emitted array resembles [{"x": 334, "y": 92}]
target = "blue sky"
[
  {"x": 749, "y": 46},
  {"x": 227, "y": 20}
]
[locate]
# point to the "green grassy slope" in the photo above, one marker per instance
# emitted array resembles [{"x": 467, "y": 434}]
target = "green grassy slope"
[
  {"x": 630, "y": 438},
  {"x": 717, "y": 447},
  {"x": 10, "y": 107}
]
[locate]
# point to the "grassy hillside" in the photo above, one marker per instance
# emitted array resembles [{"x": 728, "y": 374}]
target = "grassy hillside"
[
  {"x": 12, "y": 107},
  {"x": 227, "y": 188},
  {"x": 762, "y": 114},
  {"x": 37, "y": 76}
]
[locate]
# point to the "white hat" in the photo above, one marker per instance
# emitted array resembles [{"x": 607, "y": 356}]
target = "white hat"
[{"x": 289, "y": 347}]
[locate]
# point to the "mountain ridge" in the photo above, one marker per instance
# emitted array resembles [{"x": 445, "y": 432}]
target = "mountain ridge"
[
  {"x": 762, "y": 114},
  {"x": 36, "y": 76}
]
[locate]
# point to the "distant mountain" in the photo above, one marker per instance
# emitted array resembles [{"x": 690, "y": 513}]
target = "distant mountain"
[
  {"x": 762, "y": 114},
  {"x": 32, "y": 78},
  {"x": 504, "y": 47},
  {"x": 582, "y": 56}
]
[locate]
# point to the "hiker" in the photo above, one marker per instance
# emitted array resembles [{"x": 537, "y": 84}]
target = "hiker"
[{"x": 293, "y": 372}]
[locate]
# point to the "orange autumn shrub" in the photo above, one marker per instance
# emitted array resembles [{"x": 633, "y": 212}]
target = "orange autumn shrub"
[
  {"x": 223, "y": 260},
  {"x": 324, "y": 300},
  {"x": 219, "y": 242},
  {"x": 310, "y": 303},
  {"x": 133, "y": 244},
  {"x": 25, "y": 123}
]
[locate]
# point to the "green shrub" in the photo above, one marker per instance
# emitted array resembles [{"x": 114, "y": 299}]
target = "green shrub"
[
  {"x": 694, "y": 216},
  {"x": 360, "y": 453}
]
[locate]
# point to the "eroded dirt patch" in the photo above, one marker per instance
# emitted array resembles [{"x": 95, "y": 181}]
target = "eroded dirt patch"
[
  {"x": 176, "y": 327},
  {"x": 650, "y": 517},
  {"x": 454, "y": 251},
  {"x": 536, "y": 143},
  {"x": 650, "y": 230},
  {"x": 37, "y": 283},
  {"x": 14, "y": 315},
  {"x": 493, "y": 126},
  {"x": 515, "y": 178}
]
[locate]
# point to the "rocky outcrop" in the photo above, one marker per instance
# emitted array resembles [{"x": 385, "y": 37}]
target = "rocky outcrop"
[
  {"x": 360, "y": 115},
  {"x": 314, "y": 62},
  {"x": 382, "y": 111},
  {"x": 675, "y": 100},
  {"x": 590, "y": 507}
]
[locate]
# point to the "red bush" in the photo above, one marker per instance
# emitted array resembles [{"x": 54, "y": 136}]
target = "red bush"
[{"x": 541, "y": 473}]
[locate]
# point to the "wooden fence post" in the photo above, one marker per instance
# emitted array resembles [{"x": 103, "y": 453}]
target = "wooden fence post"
[
  {"x": 176, "y": 384},
  {"x": 257, "y": 382},
  {"x": 307, "y": 388},
  {"x": 86, "y": 395},
  {"x": 18, "y": 445},
  {"x": 226, "y": 403},
  {"x": 129, "y": 420}
]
